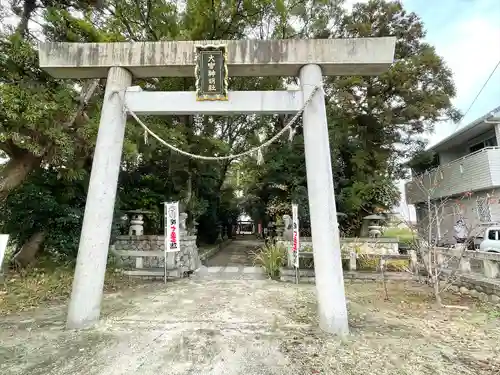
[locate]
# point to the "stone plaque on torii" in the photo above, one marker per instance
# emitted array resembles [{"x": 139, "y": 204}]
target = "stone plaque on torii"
[{"x": 119, "y": 62}]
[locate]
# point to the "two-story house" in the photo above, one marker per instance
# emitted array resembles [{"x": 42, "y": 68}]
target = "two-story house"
[{"x": 463, "y": 183}]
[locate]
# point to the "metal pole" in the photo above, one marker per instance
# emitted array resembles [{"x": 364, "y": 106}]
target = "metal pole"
[{"x": 165, "y": 242}]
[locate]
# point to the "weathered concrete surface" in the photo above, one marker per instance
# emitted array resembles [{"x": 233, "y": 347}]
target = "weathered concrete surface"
[
  {"x": 239, "y": 102},
  {"x": 86, "y": 296},
  {"x": 360, "y": 56},
  {"x": 254, "y": 328},
  {"x": 332, "y": 307}
]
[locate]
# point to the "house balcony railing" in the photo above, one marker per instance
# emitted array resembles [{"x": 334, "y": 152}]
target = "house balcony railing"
[{"x": 476, "y": 171}]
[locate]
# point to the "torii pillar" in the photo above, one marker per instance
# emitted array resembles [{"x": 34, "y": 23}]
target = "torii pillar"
[{"x": 120, "y": 62}]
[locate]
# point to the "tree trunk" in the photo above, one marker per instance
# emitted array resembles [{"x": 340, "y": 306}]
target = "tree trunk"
[
  {"x": 189, "y": 188},
  {"x": 29, "y": 7},
  {"x": 437, "y": 292},
  {"x": 16, "y": 170},
  {"x": 27, "y": 254}
]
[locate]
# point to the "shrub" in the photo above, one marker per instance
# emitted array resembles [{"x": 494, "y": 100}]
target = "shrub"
[
  {"x": 396, "y": 265},
  {"x": 372, "y": 263},
  {"x": 365, "y": 262},
  {"x": 271, "y": 257}
]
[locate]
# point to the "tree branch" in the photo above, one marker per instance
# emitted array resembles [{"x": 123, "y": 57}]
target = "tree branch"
[
  {"x": 29, "y": 7},
  {"x": 145, "y": 20}
]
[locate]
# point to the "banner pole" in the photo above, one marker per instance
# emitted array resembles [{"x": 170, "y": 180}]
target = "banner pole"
[
  {"x": 165, "y": 242},
  {"x": 295, "y": 240}
]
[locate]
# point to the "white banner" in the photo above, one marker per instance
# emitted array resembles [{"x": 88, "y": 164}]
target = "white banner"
[
  {"x": 172, "y": 233},
  {"x": 295, "y": 232}
]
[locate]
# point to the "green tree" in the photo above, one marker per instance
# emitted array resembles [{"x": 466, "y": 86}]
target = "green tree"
[
  {"x": 42, "y": 119},
  {"x": 45, "y": 210},
  {"x": 375, "y": 123},
  {"x": 50, "y": 123}
]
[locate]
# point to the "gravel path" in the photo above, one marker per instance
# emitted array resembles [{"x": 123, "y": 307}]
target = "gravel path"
[
  {"x": 237, "y": 253},
  {"x": 255, "y": 327}
]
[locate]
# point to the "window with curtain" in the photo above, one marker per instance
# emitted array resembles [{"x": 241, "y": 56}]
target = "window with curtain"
[{"x": 483, "y": 210}]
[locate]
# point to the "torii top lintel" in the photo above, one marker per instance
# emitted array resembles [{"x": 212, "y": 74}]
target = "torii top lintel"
[{"x": 358, "y": 56}]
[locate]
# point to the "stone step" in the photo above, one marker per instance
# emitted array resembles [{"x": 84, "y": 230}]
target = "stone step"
[
  {"x": 307, "y": 275},
  {"x": 152, "y": 272},
  {"x": 230, "y": 273}
]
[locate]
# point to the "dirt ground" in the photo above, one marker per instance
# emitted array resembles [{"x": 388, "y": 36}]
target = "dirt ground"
[{"x": 255, "y": 327}]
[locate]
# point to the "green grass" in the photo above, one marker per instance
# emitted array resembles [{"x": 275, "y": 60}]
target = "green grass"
[
  {"x": 46, "y": 284},
  {"x": 402, "y": 234}
]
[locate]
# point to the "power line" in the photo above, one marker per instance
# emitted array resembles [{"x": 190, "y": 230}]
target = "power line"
[{"x": 477, "y": 96}]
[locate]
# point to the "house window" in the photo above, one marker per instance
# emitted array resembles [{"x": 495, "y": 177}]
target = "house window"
[
  {"x": 476, "y": 147},
  {"x": 490, "y": 142},
  {"x": 483, "y": 210}
]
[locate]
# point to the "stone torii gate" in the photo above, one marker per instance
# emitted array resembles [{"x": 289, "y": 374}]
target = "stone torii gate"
[{"x": 120, "y": 62}]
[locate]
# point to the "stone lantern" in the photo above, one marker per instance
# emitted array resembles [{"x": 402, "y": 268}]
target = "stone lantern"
[
  {"x": 136, "y": 227},
  {"x": 373, "y": 225}
]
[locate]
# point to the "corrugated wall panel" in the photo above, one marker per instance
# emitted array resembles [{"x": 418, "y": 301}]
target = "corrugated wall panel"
[{"x": 474, "y": 172}]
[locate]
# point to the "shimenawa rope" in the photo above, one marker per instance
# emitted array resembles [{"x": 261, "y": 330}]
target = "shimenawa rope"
[{"x": 288, "y": 127}]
